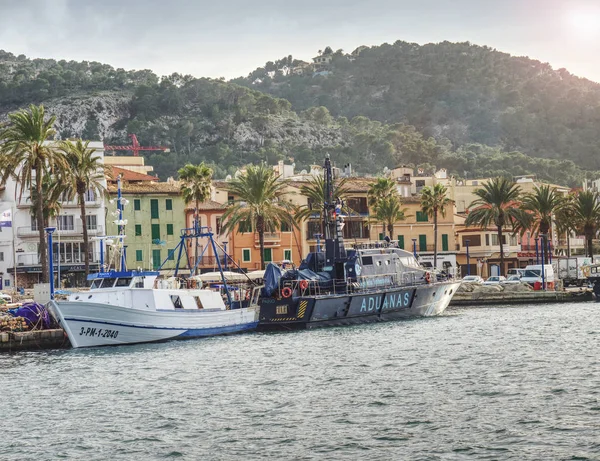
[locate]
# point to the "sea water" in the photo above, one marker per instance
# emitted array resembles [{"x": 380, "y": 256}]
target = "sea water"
[{"x": 497, "y": 383}]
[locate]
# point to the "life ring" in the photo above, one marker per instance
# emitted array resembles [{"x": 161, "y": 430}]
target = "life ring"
[
  {"x": 303, "y": 284},
  {"x": 427, "y": 277},
  {"x": 286, "y": 292}
]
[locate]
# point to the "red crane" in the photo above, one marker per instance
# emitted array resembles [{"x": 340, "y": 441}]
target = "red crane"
[{"x": 135, "y": 147}]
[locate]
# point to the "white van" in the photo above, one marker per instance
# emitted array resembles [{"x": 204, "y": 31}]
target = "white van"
[
  {"x": 515, "y": 271},
  {"x": 533, "y": 273}
]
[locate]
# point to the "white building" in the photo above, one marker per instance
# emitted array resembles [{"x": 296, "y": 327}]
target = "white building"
[{"x": 21, "y": 240}]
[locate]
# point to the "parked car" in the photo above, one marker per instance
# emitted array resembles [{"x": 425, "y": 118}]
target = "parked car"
[
  {"x": 472, "y": 279},
  {"x": 513, "y": 279},
  {"x": 515, "y": 271},
  {"x": 6, "y": 298},
  {"x": 495, "y": 280}
]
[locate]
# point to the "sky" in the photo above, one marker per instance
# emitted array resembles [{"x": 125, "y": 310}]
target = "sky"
[{"x": 230, "y": 38}]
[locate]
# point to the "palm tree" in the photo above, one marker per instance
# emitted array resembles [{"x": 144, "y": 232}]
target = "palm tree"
[
  {"x": 498, "y": 204},
  {"x": 27, "y": 157},
  {"x": 564, "y": 221},
  {"x": 195, "y": 187},
  {"x": 389, "y": 212},
  {"x": 314, "y": 191},
  {"x": 585, "y": 209},
  {"x": 260, "y": 203},
  {"x": 383, "y": 187},
  {"x": 86, "y": 173},
  {"x": 434, "y": 200},
  {"x": 379, "y": 190},
  {"x": 541, "y": 205}
]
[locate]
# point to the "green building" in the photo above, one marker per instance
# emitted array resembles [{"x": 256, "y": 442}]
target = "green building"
[{"x": 155, "y": 216}]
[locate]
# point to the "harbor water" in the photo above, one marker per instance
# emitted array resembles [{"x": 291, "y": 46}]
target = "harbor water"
[{"x": 498, "y": 383}]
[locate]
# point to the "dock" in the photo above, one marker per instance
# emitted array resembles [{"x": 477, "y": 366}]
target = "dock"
[
  {"x": 33, "y": 340},
  {"x": 478, "y": 298}
]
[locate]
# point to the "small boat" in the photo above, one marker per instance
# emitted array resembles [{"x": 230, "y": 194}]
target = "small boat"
[
  {"x": 128, "y": 307},
  {"x": 137, "y": 307},
  {"x": 593, "y": 275}
]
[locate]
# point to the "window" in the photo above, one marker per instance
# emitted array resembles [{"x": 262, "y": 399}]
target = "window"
[
  {"x": 420, "y": 183},
  {"x": 230, "y": 199},
  {"x": 313, "y": 227},
  {"x": 381, "y": 236},
  {"x": 487, "y": 240},
  {"x": 169, "y": 204},
  {"x": 156, "y": 260},
  {"x": 65, "y": 223},
  {"x": 401, "y": 242},
  {"x": 137, "y": 204},
  {"x": 357, "y": 205},
  {"x": 218, "y": 225},
  {"x": 169, "y": 229},
  {"x": 138, "y": 230},
  {"x": 1, "y": 255},
  {"x": 7, "y": 283},
  {"x": 154, "y": 208},
  {"x": 495, "y": 239},
  {"x": 34, "y": 223},
  {"x": 421, "y": 217},
  {"x": 155, "y": 231},
  {"x": 422, "y": 242},
  {"x": 285, "y": 227},
  {"x": 245, "y": 226},
  {"x": 268, "y": 255},
  {"x": 474, "y": 240},
  {"x": 171, "y": 256},
  {"x": 90, "y": 196},
  {"x": 246, "y": 255},
  {"x": 513, "y": 240},
  {"x": 444, "y": 242},
  {"x": 287, "y": 255},
  {"x": 139, "y": 255},
  {"x": 91, "y": 222}
]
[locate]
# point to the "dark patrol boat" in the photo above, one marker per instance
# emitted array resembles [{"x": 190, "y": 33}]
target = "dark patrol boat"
[{"x": 368, "y": 283}]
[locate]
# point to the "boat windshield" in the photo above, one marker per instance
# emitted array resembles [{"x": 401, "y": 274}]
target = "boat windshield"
[
  {"x": 409, "y": 261},
  {"x": 123, "y": 282},
  {"x": 532, "y": 273}
]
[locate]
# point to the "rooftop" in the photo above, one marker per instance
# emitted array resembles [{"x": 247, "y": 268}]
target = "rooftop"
[{"x": 129, "y": 175}]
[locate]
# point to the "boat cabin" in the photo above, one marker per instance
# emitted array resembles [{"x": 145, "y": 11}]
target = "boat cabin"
[{"x": 128, "y": 279}]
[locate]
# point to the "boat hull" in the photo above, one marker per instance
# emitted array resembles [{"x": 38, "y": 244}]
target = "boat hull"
[
  {"x": 377, "y": 306},
  {"x": 94, "y": 324}
]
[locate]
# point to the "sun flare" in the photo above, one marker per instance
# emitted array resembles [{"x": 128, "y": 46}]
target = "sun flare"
[{"x": 585, "y": 23}]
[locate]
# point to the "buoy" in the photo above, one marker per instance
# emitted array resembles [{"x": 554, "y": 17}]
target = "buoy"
[
  {"x": 286, "y": 292},
  {"x": 303, "y": 284},
  {"x": 427, "y": 277}
]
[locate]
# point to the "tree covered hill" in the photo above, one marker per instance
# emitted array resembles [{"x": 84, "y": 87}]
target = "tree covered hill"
[
  {"x": 455, "y": 91},
  {"x": 229, "y": 125}
]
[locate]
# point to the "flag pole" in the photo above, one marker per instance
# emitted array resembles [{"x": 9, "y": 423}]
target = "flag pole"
[{"x": 14, "y": 238}]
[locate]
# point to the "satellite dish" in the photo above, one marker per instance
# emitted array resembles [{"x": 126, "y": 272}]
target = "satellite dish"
[{"x": 228, "y": 177}]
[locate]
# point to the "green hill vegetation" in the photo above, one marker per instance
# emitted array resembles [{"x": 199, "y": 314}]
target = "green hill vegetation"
[{"x": 230, "y": 124}]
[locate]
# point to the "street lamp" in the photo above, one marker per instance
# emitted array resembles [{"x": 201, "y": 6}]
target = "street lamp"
[
  {"x": 414, "y": 247},
  {"x": 225, "y": 253},
  {"x": 467, "y": 241},
  {"x": 543, "y": 261},
  {"x": 49, "y": 231},
  {"x": 318, "y": 237},
  {"x": 537, "y": 257}
]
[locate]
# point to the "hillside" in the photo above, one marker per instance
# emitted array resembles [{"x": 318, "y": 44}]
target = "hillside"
[
  {"x": 228, "y": 125},
  {"x": 452, "y": 91}
]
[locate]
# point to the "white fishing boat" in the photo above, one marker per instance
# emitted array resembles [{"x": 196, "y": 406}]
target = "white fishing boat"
[
  {"x": 137, "y": 307},
  {"x": 128, "y": 307}
]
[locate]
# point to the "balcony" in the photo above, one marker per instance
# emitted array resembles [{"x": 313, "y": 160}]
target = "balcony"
[
  {"x": 27, "y": 231},
  {"x": 575, "y": 242},
  {"x": 68, "y": 258},
  {"x": 271, "y": 238},
  {"x": 210, "y": 261}
]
